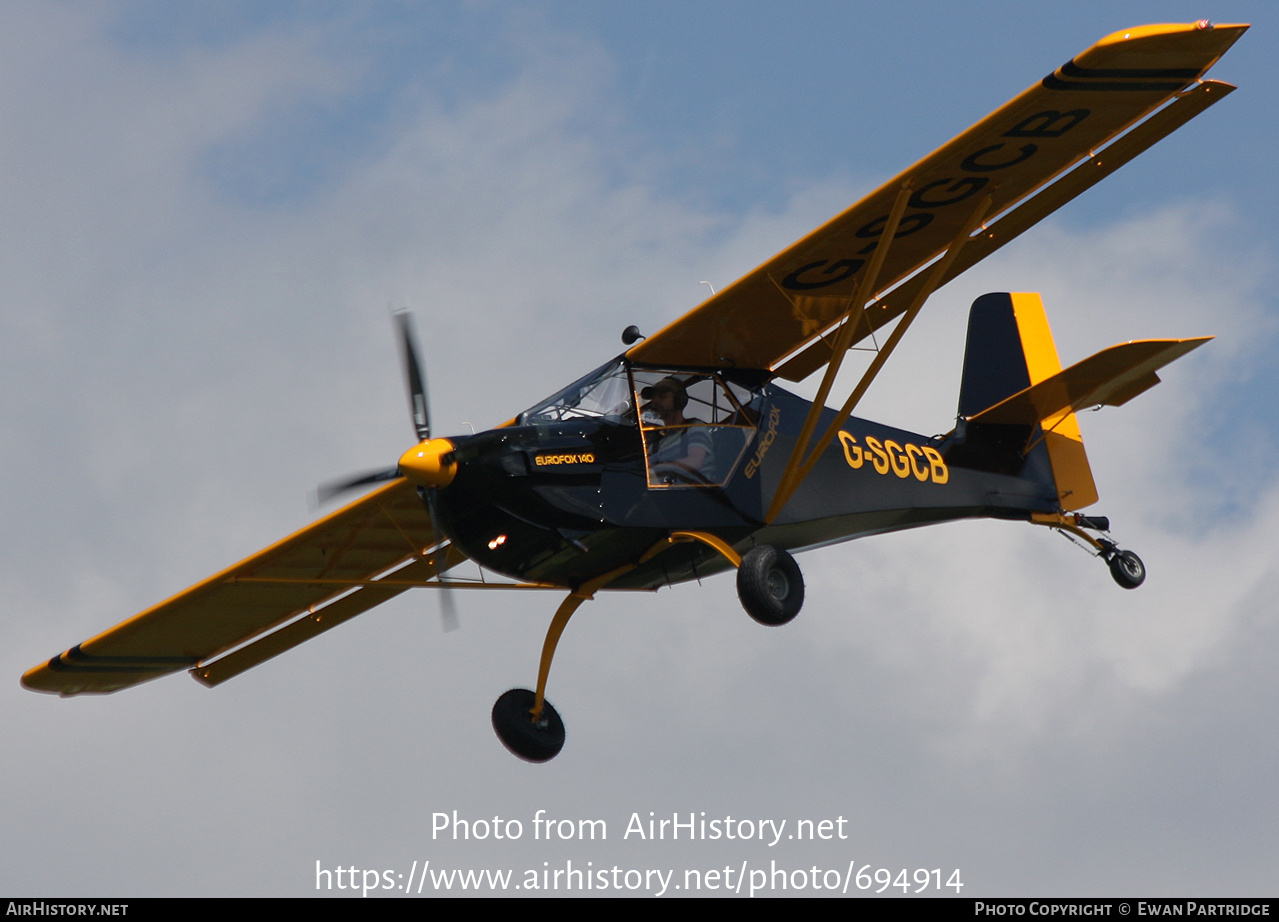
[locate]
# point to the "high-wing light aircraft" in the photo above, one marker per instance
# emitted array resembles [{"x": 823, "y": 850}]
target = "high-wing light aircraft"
[{"x": 683, "y": 457}]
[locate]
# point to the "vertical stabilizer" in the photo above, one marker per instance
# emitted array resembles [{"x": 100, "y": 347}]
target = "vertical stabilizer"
[{"x": 1010, "y": 348}]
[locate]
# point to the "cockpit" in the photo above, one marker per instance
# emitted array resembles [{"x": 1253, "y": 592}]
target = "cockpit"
[{"x": 695, "y": 425}]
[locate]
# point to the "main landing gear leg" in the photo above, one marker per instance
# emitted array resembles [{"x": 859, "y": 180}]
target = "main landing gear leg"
[
  {"x": 1126, "y": 567},
  {"x": 525, "y": 721},
  {"x": 770, "y": 585},
  {"x": 531, "y": 729}
]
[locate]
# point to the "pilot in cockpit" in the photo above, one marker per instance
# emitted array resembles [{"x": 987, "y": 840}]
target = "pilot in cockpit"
[{"x": 680, "y": 442}]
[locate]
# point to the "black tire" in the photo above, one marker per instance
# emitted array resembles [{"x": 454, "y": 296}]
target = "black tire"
[
  {"x": 770, "y": 585},
  {"x": 533, "y": 742},
  {"x": 1127, "y": 569}
]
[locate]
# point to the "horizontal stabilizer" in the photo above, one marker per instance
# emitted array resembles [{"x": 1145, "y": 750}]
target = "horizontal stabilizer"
[{"x": 1112, "y": 377}]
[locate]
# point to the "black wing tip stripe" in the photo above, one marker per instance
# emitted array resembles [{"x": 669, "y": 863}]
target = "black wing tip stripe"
[
  {"x": 1071, "y": 69},
  {"x": 76, "y": 660},
  {"x": 1053, "y": 82},
  {"x": 1120, "y": 80}
]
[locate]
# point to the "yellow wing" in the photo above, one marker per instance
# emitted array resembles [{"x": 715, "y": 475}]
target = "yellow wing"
[
  {"x": 1031, "y": 156},
  {"x": 311, "y": 581}
]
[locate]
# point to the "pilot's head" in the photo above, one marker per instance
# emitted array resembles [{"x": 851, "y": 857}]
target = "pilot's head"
[{"x": 668, "y": 385}]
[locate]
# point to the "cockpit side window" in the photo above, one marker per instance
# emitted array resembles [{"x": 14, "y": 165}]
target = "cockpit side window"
[{"x": 695, "y": 426}]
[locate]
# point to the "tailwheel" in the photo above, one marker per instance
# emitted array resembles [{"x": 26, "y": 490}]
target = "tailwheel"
[
  {"x": 1125, "y": 566},
  {"x": 1127, "y": 569},
  {"x": 532, "y": 740},
  {"x": 770, "y": 585}
]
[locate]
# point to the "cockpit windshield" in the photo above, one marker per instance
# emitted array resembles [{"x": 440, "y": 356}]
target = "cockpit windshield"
[{"x": 603, "y": 394}]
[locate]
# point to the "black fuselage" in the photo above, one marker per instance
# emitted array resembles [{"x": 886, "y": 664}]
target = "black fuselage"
[{"x": 563, "y": 502}]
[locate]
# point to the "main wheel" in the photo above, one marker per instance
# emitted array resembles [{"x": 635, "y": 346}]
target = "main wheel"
[
  {"x": 514, "y": 725},
  {"x": 770, "y": 585},
  {"x": 1127, "y": 569}
]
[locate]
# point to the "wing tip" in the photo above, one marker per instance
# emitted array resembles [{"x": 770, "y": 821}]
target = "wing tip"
[
  {"x": 76, "y": 672},
  {"x": 1160, "y": 57},
  {"x": 37, "y": 679},
  {"x": 1226, "y": 31}
]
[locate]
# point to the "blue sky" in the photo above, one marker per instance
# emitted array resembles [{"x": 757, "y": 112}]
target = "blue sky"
[{"x": 208, "y": 209}]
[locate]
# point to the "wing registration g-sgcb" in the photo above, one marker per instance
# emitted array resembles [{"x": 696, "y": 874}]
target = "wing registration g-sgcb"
[
  {"x": 682, "y": 456},
  {"x": 1032, "y": 155}
]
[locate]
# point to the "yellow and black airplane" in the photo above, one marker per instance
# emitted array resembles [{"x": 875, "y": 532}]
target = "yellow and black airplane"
[{"x": 682, "y": 456}]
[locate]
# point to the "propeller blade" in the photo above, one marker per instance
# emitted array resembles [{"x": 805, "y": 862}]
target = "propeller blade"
[
  {"x": 327, "y": 491},
  {"x": 427, "y": 474},
  {"x": 416, "y": 380},
  {"x": 448, "y": 610},
  {"x": 422, "y": 425},
  {"x": 448, "y": 605}
]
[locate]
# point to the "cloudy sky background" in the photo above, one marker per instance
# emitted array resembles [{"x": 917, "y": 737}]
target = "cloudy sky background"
[{"x": 206, "y": 211}]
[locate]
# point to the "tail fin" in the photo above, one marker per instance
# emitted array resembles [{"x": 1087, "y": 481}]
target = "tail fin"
[
  {"x": 1010, "y": 350},
  {"x": 1015, "y": 395}
]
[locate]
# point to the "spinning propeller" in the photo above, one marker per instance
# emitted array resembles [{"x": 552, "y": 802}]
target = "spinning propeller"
[{"x": 430, "y": 464}]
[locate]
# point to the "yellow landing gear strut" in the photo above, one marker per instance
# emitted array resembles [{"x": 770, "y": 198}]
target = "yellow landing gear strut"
[
  {"x": 1126, "y": 567},
  {"x": 524, "y": 720}
]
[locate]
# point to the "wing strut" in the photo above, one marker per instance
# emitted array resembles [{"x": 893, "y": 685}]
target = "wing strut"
[{"x": 798, "y": 467}]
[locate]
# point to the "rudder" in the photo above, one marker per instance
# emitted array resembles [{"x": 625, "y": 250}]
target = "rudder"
[{"x": 1010, "y": 348}]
